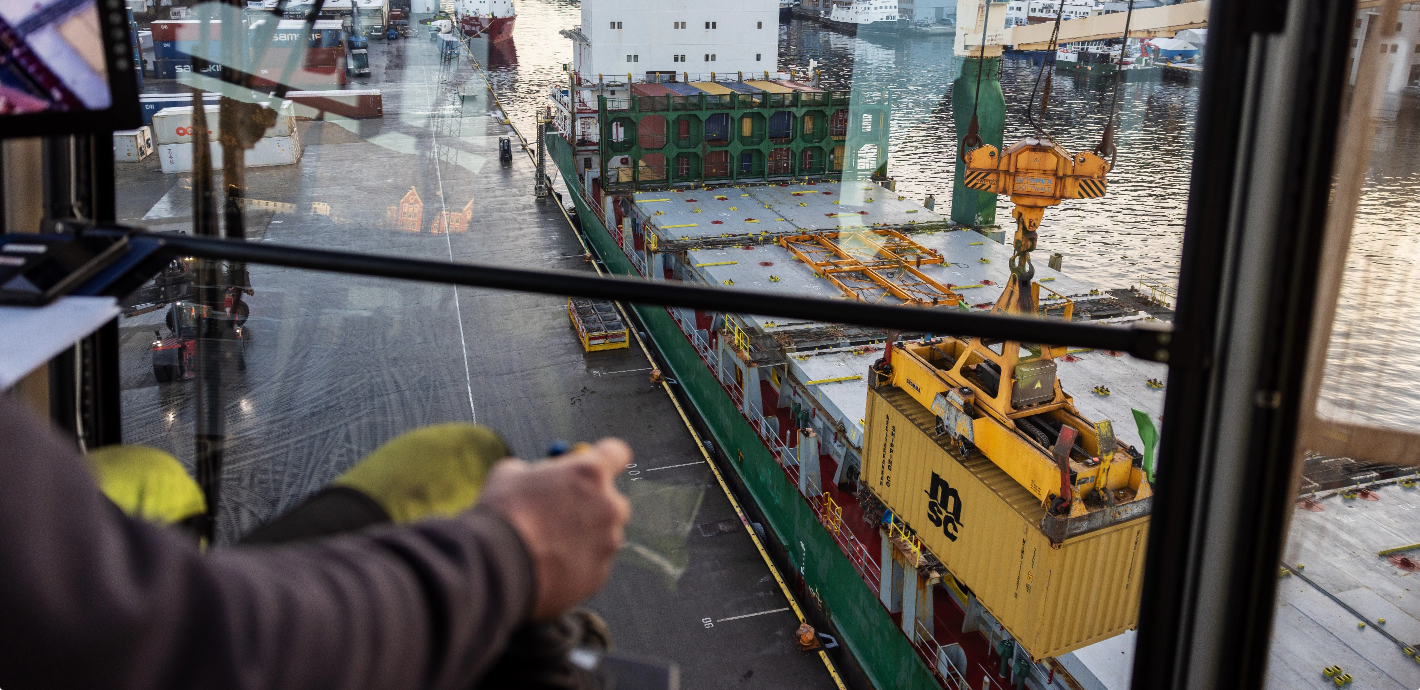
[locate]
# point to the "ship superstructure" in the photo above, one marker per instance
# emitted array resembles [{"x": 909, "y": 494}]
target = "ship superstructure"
[
  {"x": 620, "y": 37},
  {"x": 755, "y": 180}
]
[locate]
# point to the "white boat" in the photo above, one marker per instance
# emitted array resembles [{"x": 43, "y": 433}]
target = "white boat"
[{"x": 867, "y": 16}]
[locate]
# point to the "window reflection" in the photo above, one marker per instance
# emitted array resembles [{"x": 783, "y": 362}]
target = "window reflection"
[{"x": 829, "y": 171}]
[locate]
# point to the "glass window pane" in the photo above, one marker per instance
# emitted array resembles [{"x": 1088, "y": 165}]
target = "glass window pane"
[{"x": 1343, "y": 611}]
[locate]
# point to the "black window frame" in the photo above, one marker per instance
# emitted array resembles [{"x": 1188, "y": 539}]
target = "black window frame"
[{"x": 1188, "y": 637}]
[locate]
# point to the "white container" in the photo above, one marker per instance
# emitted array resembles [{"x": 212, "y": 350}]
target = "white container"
[
  {"x": 174, "y": 125},
  {"x": 145, "y": 41},
  {"x": 269, "y": 151},
  {"x": 132, "y": 145}
]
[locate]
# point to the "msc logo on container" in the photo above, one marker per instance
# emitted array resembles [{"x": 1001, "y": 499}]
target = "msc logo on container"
[{"x": 944, "y": 507}]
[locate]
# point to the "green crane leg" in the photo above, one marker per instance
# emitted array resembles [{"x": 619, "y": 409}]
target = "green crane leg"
[{"x": 970, "y": 207}]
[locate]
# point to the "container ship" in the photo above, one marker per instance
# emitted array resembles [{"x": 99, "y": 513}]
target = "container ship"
[
  {"x": 961, "y": 513},
  {"x": 490, "y": 19}
]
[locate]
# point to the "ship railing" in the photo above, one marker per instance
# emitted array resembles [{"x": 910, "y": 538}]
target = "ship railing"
[
  {"x": 703, "y": 347},
  {"x": 617, "y": 103},
  {"x": 737, "y": 394},
  {"x": 586, "y": 101},
  {"x": 831, "y": 515},
  {"x": 643, "y": 104},
  {"x": 840, "y": 97},
  {"x": 718, "y": 102},
  {"x": 562, "y": 98},
  {"x": 811, "y": 98},
  {"x": 746, "y": 100},
  {"x": 779, "y": 100},
  {"x": 637, "y": 260},
  {"x": 939, "y": 660},
  {"x": 686, "y": 103},
  {"x": 1156, "y": 291}
]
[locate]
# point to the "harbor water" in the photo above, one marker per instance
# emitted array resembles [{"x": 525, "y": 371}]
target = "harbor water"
[{"x": 1135, "y": 231}]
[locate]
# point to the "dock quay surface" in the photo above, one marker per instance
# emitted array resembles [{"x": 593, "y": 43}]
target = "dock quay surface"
[{"x": 339, "y": 364}]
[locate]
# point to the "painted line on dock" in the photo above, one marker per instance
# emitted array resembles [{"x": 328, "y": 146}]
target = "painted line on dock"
[
  {"x": 751, "y": 615},
  {"x": 458, "y": 309},
  {"x": 671, "y": 467},
  {"x": 622, "y": 371}
]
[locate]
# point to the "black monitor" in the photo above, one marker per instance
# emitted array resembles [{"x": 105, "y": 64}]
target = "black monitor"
[{"x": 66, "y": 67}]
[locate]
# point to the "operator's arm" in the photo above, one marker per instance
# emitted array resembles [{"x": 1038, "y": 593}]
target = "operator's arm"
[{"x": 92, "y": 599}]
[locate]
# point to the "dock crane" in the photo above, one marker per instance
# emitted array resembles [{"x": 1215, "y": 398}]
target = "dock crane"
[{"x": 1010, "y": 403}]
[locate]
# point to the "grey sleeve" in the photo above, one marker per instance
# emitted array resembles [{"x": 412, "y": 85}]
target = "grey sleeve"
[{"x": 92, "y": 599}]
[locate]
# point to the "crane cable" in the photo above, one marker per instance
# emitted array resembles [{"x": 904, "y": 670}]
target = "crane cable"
[
  {"x": 1050, "y": 47},
  {"x": 972, "y": 139},
  {"x": 1106, "y": 146}
]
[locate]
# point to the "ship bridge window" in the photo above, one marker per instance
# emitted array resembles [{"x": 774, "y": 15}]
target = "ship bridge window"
[
  {"x": 616, "y": 25},
  {"x": 760, "y": 25}
]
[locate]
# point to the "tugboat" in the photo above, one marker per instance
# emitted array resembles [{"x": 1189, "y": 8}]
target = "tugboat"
[{"x": 491, "y": 19}]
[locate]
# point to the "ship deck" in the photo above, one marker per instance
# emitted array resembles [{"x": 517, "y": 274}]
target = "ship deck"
[
  {"x": 714, "y": 213},
  {"x": 974, "y": 266}
]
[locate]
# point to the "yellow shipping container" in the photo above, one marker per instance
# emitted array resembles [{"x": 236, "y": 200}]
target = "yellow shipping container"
[{"x": 994, "y": 536}]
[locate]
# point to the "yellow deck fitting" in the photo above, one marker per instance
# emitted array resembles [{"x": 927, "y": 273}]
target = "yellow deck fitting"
[{"x": 869, "y": 265}]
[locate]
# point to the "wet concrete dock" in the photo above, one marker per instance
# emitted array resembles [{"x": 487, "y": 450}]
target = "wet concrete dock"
[{"x": 339, "y": 364}]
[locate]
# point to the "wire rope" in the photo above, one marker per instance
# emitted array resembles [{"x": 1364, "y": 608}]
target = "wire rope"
[
  {"x": 973, "y": 138},
  {"x": 1106, "y": 145},
  {"x": 1050, "y": 47}
]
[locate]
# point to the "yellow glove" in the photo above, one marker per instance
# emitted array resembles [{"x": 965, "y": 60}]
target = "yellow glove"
[
  {"x": 147, "y": 483},
  {"x": 436, "y": 470}
]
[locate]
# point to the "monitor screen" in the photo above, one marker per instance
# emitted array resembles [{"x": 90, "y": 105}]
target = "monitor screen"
[{"x": 66, "y": 67}]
